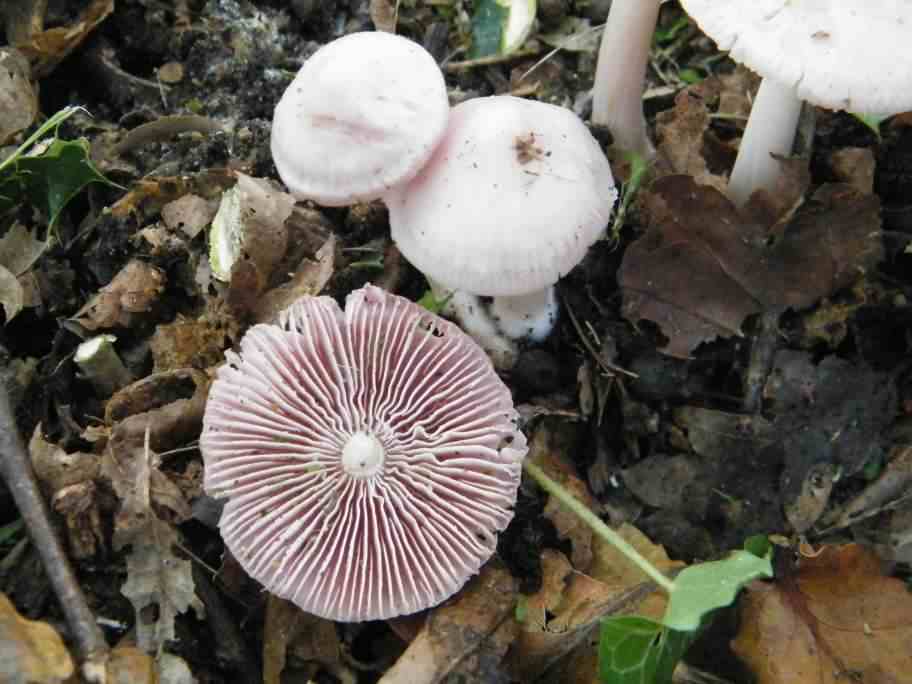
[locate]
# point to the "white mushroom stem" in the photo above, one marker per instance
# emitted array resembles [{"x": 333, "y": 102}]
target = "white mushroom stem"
[
  {"x": 770, "y": 130},
  {"x": 530, "y": 316},
  {"x": 101, "y": 365},
  {"x": 474, "y": 319},
  {"x": 617, "y": 97}
]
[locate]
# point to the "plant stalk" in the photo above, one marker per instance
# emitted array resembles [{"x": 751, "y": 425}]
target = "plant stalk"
[{"x": 599, "y": 527}]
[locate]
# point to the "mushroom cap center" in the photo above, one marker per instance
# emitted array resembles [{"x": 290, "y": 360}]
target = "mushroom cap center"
[{"x": 363, "y": 455}]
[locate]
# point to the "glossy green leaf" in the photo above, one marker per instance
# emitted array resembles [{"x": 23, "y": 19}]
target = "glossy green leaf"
[
  {"x": 702, "y": 588},
  {"x": 636, "y": 650}
]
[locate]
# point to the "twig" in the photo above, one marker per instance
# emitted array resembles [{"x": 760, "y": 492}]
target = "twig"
[
  {"x": 762, "y": 353},
  {"x": 16, "y": 469}
]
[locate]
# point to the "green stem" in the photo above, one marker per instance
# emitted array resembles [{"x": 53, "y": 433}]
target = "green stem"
[{"x": 600, "y": 528}]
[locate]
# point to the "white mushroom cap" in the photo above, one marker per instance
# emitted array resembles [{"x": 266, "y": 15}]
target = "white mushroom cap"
[
  {"x": 839, "y": 54},
  {"x": 510, "y": 201},
  {"x": 370, "y": 457},
  {"x": 363, "y": 114}
]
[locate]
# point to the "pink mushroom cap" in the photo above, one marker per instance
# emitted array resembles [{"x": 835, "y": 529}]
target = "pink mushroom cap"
[
  {"x": 369, "y": 456},
  {"x": 362, "y": 115}
]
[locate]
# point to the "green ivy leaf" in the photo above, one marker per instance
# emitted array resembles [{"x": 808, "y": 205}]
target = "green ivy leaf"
[
  {"x": 702, "y": 588},
  {"x": 636, "y": 650}
]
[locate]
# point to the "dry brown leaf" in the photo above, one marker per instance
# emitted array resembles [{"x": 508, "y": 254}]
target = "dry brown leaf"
[
  {"x": 30, "y": 652},
  {"x": 159, "y": 584},
  {"x": 12, "y": 298},
  {"x": 384, "y": 14},
  {"x": 836, "y": 619},
  {"x": 309, "y": 278},
  {"x": 466, "y": 637},
  {"x": 47, "y": 48},
  {"x": 289, "y": 629},
  {"x": 576, "y": 603},
  {"x": 18, "y": 100},
  {"x": 547, "y": 450},
  {"x": 134, "y": 291},
  {"x": 703, "y": 266},
  {"x": 189, "y": 214},
  {"x": 70, "y": 477}
]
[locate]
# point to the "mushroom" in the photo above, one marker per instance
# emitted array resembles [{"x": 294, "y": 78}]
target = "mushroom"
[
  {"x": 369, "y": 457},
  {"x": 617, "y": 94},
  {"x": 509, "y": 202},
  {"x": 362, "y": 115},
  {"x": 840, "y": 55}
]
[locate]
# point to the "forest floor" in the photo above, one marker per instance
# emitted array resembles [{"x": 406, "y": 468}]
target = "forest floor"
[{"x": 773, "y": 403}]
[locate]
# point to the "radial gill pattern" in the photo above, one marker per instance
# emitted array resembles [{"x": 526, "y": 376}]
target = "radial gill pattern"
[{"x": 369, "y": 456}]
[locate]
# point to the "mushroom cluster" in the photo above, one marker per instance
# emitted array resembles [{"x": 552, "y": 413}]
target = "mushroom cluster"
[
  {"x": 369, "y": 456},
  {"x": 498, "y": 197}
]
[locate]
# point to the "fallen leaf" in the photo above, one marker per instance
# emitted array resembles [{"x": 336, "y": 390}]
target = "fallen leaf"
[
  {"x": 189, "y": 214},
  {"x": 464, "y": 638},
  {"x": 18, "y": 100},
  {"x": 30, "y": 652},
  {"x": 20, "y": 249},
  {"x": 309, "y": 279},
  {"x": 47, "y": 48},
  {"x": 384, "y": 14},
  {"x": 732, "y": 267},
  {"x": 159, "y": 584},
  {"x": 11, "y": 294},
  {"x": 835, "y": 618},
  {"x": 289, "y": 629},
  {"x": 134, "y": 291},
  {"x": 549, "y": 449}
]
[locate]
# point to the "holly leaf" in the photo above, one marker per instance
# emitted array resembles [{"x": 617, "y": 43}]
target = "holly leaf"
[
  {"x": 636, "y": 650},
  {"x": 500, "y": 27}
]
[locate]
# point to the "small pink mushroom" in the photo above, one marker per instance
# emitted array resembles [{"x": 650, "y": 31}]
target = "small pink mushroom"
[
  {"x": 362, "y": 115},
  {"x": 369, "y": 457}
]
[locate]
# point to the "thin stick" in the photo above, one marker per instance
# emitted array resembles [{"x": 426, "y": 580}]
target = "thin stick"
[
  {"x": 600, "y": 528},
  {"x": 16, "y": 469}
]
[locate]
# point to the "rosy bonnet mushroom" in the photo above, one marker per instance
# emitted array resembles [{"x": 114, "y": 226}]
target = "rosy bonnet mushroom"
[
  {"x": 510, "y": 201},
  {"x": 362, "y": 115},
  {"x": 369, "y": 456},
  {"x": 846, "y": 55}
]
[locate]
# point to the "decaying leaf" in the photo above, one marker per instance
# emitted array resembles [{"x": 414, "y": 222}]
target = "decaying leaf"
[
  {"x": 248, "y": 238},
  {"x": 289, "y": 629},
  {"x": 189, "y": 214},
  {"x": 159, "y": 584},
  {"x": 47, "y": 48},
  {"x": 309, "y": 279},
  {"x": 564, "y": 615},
  {"x": 466, "y": 637},
  {"x": 134, "y": 291},
  {"x": 11, "y": 294},
  {"x": 20, "y": 249},
  {"x": 547, "y": 450},
  {"x": 829, "y": 417},
  {"x": 70, "y": 477},
  {"x": 18, "y": 100},
  {"x": 734, "y": 266},
  {"x": 835, "y": 619},
  {"x": 30, "y": 652}
]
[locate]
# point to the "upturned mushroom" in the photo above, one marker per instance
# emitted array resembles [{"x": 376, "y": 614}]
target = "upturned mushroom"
[
  {"x": 850, "y": 56},
  {"x": 369, "y": 456},
  {"x": 362, "y": 115},
  {"x": 512, "y": 198}
]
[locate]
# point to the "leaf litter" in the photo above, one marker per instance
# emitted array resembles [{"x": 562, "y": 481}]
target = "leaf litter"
[{"x": 141, "y": 269}]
